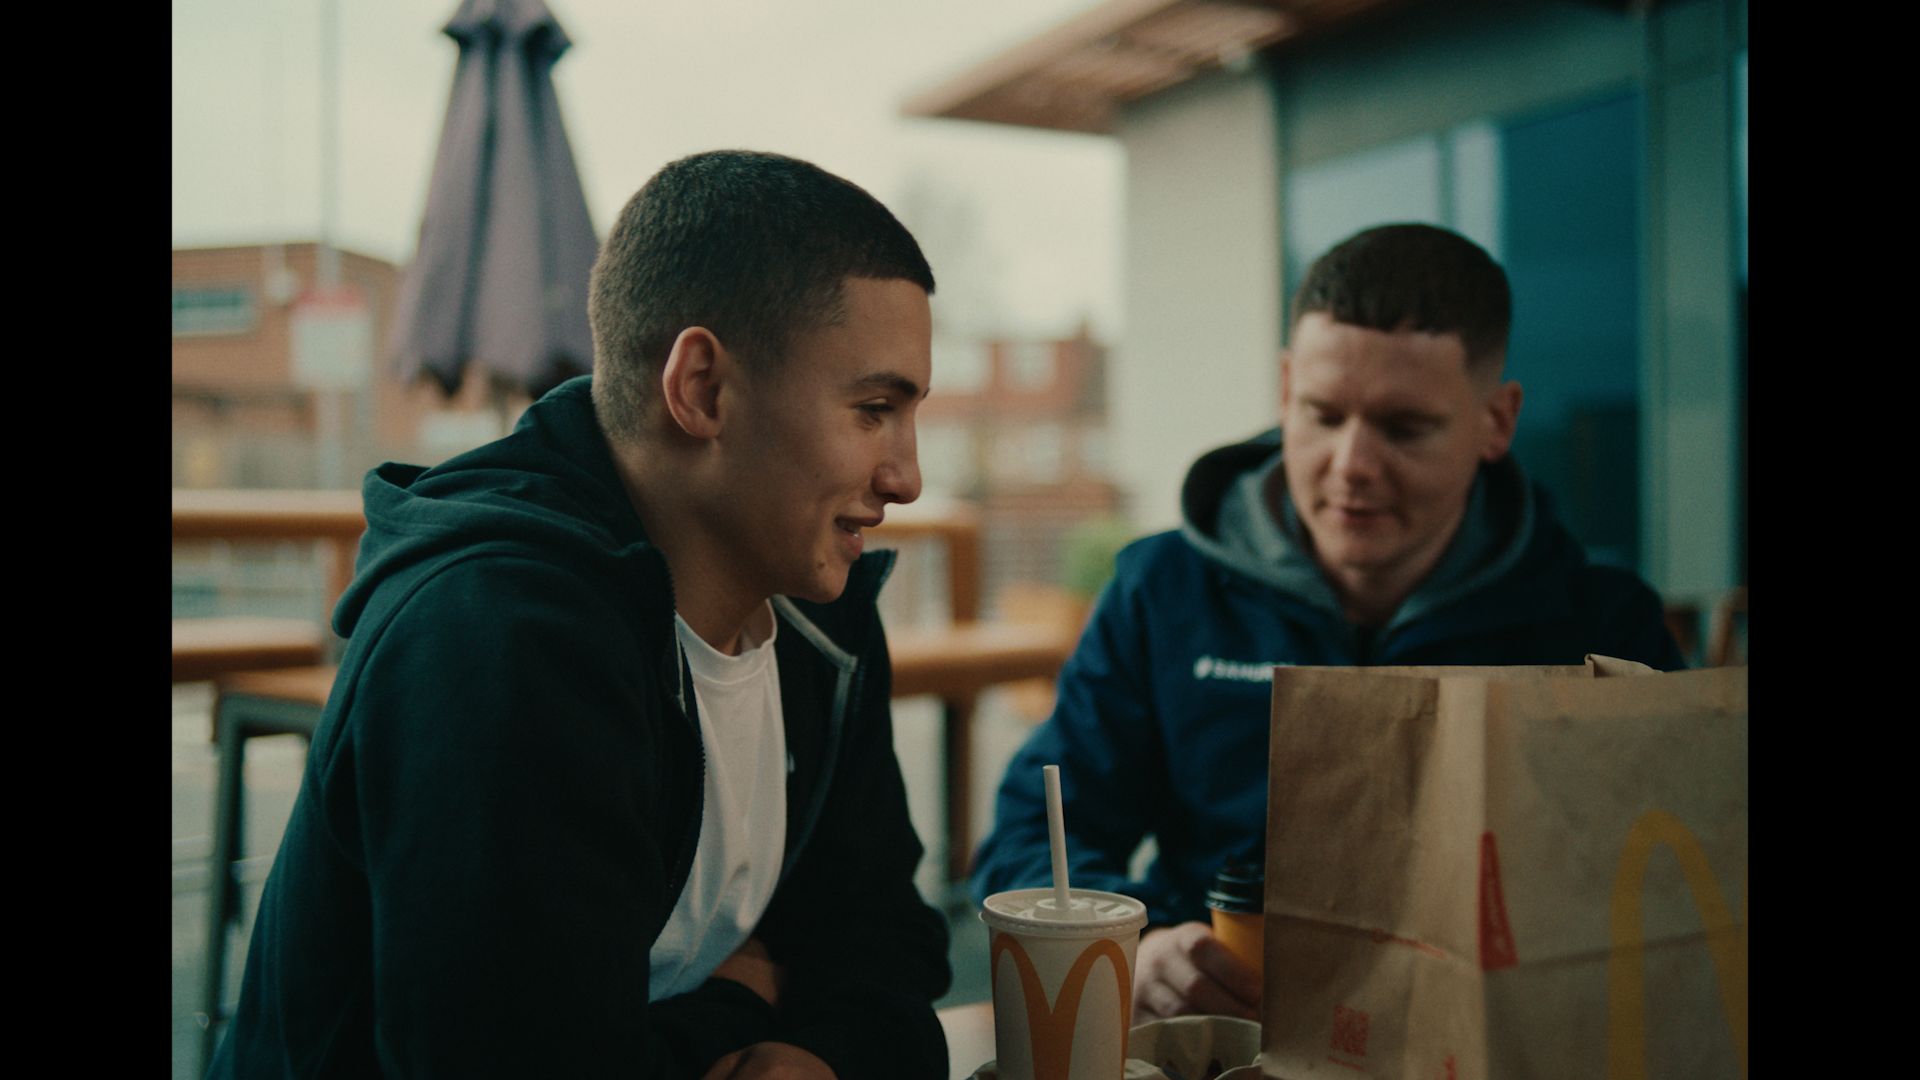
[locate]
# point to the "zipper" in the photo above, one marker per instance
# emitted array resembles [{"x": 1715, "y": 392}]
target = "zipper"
[
  {"x": 690, "y": 838},
  {"x": 846, "y": 670},
  {"x": 849, "y": 681}
]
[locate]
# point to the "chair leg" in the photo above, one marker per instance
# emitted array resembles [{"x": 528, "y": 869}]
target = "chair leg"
[
  {"x": 959, "y": 784},
  {"x": 223, "y": 887}
]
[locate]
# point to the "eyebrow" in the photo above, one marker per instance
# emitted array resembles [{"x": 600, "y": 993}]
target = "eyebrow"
[
  {"x": 889, "y": 380},
  {"x": 1394, "y": 415},
  {"x": 1411, "y": 416}
]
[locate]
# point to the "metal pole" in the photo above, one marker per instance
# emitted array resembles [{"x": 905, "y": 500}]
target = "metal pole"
[
  {"x": 329, "y": 268},
  {"x": 328, "y": 414}
]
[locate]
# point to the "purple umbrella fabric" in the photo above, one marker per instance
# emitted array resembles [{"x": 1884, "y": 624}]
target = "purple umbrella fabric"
[{"x": 500, "y": 275}]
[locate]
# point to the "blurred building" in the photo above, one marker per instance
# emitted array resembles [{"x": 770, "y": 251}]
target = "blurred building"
[
  {"x": 1019, "y": 428},
  {"x": 1597, "y": 149},
  {"x": 244, "y": 416}
]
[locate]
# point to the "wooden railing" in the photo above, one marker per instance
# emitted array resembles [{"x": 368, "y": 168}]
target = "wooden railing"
[
  {"x": 331, "y": 517},
  {"x": 207, "y": 648}
]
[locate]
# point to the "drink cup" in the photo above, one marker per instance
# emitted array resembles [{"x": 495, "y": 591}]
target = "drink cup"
[
  {"x": 1238, "y": 905},
  {"x": 1062, "y": 982}
]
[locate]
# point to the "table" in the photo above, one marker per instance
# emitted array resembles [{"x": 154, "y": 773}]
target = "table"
[{"x": 955, "y": 663}]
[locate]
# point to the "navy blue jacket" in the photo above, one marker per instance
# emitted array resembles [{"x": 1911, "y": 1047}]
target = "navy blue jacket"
[
  {"x": 504, "y": 795},
  {"x": 1160, "y": 726}
]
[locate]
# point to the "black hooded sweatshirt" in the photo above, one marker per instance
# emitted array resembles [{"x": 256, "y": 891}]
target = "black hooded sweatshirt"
[{"x": 503, "y": 797}]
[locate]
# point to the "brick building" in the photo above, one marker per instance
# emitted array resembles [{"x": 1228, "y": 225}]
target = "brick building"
[
  {"x": 1020, "y": 429},
  {"x": 241, "y": 417}
]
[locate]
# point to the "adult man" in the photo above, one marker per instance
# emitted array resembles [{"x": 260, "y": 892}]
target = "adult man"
[
  {"x": 606, "y": 785},
  {"x": 1386, "y": 525}
]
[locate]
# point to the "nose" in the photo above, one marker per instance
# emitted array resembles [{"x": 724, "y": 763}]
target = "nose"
[
  {"x": 1355, "y": 456},
  {"x": 898, "y": 477}
]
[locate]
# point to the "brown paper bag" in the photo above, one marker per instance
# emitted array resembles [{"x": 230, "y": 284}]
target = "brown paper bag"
[{"x": 1507, "y": 873}]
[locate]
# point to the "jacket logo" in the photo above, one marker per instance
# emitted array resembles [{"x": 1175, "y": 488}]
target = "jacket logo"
[
  {"x": 1051, "y": 1029},
  {"x": 1212, "y": 667},
  {"x": 1626, "y": 970}
]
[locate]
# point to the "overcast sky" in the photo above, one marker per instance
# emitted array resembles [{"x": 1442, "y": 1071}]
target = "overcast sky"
[{"x": 1022, "y": 226}]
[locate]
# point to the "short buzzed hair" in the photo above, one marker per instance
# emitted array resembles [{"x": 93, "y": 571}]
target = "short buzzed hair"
[
  {"x": 1414, "y": 277},
  {"x": 755, "y": 247}
]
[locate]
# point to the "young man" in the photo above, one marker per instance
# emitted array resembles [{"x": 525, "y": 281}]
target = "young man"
[
  {"x": 606, "y": 785},
  {"x": 1384, "y": 524}
]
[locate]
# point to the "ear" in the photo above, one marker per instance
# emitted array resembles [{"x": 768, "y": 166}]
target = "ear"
[
  {"x": 1286, "y": 379},
  {"x": 690, "y": 382},
  {"x": 1503, "y": 412}
]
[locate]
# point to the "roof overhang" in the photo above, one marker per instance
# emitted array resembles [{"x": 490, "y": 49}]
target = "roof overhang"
[{"x": 1077, "y": 75}]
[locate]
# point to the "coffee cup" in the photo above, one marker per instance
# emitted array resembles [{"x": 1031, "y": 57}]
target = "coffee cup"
[
  {"x": 1237, "y": 902},
  {"x": 1062, "y": 982}
]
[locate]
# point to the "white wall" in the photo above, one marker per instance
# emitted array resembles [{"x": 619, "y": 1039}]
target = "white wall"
[{"x": 1198, "y": 366}]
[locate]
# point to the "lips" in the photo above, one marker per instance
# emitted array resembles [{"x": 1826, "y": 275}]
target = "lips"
[
  {"x": 1359, "y": 515},
  {"x": 849, "y": 528}
]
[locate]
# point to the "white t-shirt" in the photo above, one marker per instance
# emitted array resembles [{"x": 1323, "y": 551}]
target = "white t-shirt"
[{"x": 743, "y": 828}]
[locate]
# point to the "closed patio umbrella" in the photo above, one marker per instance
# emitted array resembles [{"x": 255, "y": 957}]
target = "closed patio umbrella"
[{"x": 500, "y": 275}]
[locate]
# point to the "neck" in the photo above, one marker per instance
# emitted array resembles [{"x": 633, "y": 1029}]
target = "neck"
[{"x": 707, "y": 590}]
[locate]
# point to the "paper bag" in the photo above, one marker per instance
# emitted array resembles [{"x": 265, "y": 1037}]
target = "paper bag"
[{"x": 1507, "y": 873}]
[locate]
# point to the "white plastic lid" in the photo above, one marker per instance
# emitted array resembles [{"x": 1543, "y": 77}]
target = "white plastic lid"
[{"x": 1091, "y": 913}]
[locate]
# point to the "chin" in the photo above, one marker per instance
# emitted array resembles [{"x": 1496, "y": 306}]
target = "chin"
[
  {"x": 1355, "y": 557},
  {"x": 827, "y": 596},
  {"x": 823, "y": 590}
]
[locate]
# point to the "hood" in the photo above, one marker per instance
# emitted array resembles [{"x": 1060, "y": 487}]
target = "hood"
[
  {"x": 1227, "y": 513},
  {"x": 549, "y": 488}
]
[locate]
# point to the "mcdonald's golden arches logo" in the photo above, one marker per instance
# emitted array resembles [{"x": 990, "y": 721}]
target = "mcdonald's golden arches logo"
[
  {"x": 1626, "y": 964},
  {"x": 1050, "y": 1027}
]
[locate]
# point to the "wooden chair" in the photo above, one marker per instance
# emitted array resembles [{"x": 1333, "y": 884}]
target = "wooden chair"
[
  {"x": 247, "y": 704},
  {"x": 266, "y": 672},
  {"x": 1683, "y": 622},
  {"x": 1710, "y": 630},
  {"x": 1727, "y": 638}
]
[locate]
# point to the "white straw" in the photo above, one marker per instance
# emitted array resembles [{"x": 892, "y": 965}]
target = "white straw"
[{"x": 1057, "y": 837}]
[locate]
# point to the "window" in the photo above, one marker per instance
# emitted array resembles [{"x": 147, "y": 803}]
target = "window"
[
  {"x": 1553, "y": 196},
  {"x": 1452, "y": 178},
  {"x": 213, "y": 310}
]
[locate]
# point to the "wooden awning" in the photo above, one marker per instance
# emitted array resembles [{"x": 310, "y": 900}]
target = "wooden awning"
[{"x": 1074, "y": 77}]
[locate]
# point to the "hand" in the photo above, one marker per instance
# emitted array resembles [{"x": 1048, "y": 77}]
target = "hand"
[
  {"x": 753, "y": 967},
  {"x": 770, "y": 1061},
  {"x": 1180, "y": 970}
]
